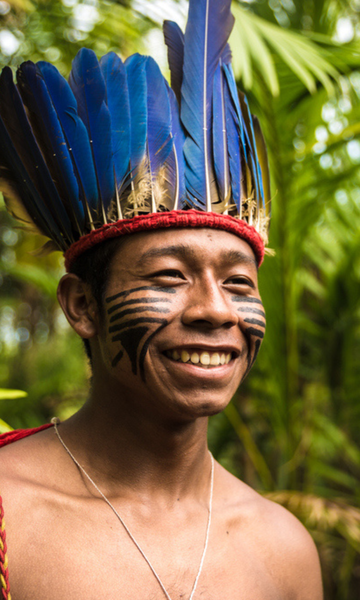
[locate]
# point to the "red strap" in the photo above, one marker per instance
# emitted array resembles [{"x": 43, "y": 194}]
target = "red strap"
[{"x": 18, "y": 434}]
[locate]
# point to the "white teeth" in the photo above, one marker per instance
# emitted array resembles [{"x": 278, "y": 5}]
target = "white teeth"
[
  {"x": 205, "y": 358},
  {"x": 195, "y": 358},
  {"x": 215, "y": 359},
  {"x": 212, "y": 359},
  {"x": 184, "y": 356}
]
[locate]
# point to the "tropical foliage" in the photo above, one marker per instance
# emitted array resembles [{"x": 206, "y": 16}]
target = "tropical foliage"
[{"x": 293, "y": 429}]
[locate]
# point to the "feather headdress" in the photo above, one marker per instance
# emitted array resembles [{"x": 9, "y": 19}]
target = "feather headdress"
[{"x": 115, "y": 149}]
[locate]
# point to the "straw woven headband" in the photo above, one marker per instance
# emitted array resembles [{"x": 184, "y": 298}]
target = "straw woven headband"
[{"x": 173, "y": 219}]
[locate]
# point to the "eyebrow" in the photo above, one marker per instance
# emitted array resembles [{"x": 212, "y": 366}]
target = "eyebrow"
[
  {"x": 186, "y": 252},
  {"x": 180, "y": 250}
]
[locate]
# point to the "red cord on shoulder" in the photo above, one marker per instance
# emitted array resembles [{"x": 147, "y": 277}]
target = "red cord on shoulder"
[{"x": 13, "y": 436}]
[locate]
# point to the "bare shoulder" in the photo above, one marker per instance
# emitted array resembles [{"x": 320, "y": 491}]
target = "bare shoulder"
[
  {"x": 27, "y": 466},
  {"x": 278, "y": 540}
]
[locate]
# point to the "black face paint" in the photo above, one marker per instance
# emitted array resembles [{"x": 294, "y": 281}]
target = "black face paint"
[
  {"x": 130, "y": 332},
  {"x": 255, "y": 332},
  {"x": 154, "y": 288},
  {"x": 254, "y": 311}
]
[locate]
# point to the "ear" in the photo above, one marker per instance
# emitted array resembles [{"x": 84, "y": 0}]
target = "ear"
[{"x": 78, "y": 305}]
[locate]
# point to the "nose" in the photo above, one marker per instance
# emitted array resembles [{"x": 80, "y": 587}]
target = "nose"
[{"x": 208, "y": 306}]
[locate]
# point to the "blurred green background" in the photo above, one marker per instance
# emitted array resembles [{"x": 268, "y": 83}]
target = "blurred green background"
[{"x": 293, "y": 429}]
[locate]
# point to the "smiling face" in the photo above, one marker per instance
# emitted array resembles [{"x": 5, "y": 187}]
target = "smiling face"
[{"x": 183, "y": 320}]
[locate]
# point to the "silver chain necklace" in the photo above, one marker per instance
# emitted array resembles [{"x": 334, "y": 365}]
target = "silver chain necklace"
[{"x": 55, "y": 422}]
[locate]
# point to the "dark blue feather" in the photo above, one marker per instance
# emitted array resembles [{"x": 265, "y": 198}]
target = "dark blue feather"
[
  {"x": 13, "y": 114},
  {"x": 249, "y": 128},
  {"x": 159, "y": 139},
  {"x": 174, "y": 39},
  {"x": 87, "y": 83},
  {"x": 136, "y": 77},
  {"x": 207, "y": 31},
  {"x": 226, "y": 56},
  {"x": 235, "y": 149},
  {"x": 176, "y": 158},
  {"x": 49, "y": 135},
  {"x": 220, "y": 138},
  {"x": 229, "y": 75},
  {"x": 74, "y": 131},
  {"x": 14, "y": 175},
  {"x": 117, "y": 97}
]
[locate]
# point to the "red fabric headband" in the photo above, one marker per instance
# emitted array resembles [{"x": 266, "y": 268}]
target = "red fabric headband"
[{"x": 164, "y": 220}]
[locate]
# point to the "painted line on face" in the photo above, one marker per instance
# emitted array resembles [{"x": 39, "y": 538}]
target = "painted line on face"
[
  {"x": 154, "y": 288},
  {"x": 131, "y": 311},
  {"x": 136, "y": 301},
  {"x": 255, "y": 322},
  {"x": 253, "y": 311},
  {"x": 255, "y": 332},
  {"x": 132, "y": 331},
  {"x": 246, "y": 299},
  {"x": 133, "y": 323}
]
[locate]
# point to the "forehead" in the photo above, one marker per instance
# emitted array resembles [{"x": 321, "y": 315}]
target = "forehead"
[{"x": 205, "y": 245}]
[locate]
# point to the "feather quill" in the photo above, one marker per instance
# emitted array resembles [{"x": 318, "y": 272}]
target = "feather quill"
[
  {"x": 88, "y": 85},
  {"x": 207, "y": 31}
]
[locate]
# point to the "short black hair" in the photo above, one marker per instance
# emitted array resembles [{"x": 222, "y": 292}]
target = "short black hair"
[{"x": 93, "y": 268}]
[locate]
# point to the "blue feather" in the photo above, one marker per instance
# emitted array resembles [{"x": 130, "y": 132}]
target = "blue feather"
[
  {"x": 136, "y": 76},
  {"x": 18, "y": 127},
  {"x": 252, "y": 143},
  {"x": 226, "y": 56},
  {"x": 207, "y": 31},
  {"x": 229, "y": 75},
  {"x": 159, "y": 138},
  {"x": 235, "y": 149},
  {"x": 117, "y": 97},
  {"x": 175, "y": 163},
  {"x": 24, "y": 191},
  {"x": 48, "y": 131},
  {"x": 87, "y": 83},
  {"x": 74, "y": 131},
  {"x": 174, "y": 39},
  {"x": 220, "y": 138}
]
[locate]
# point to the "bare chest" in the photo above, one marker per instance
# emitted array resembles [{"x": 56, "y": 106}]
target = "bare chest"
[{"x": 83, "y": 554}]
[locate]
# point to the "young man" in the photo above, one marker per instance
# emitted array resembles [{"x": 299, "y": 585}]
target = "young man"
[
  {"x": 141, "y": 436},
  {"x": 123, "y": 500}
]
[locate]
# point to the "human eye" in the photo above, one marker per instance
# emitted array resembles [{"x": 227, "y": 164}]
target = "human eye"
[
  {"x": 240, "y": 281},
  {"x": 173, "y": 274}
]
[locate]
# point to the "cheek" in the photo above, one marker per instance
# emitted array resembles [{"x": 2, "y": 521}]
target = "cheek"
[
  {"x": 252, "y": 323},
  {"x": 133, "y": 320}
]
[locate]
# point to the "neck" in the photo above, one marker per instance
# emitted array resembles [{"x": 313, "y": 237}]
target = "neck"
[{"x": 126, "y": 451}]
